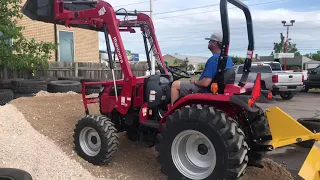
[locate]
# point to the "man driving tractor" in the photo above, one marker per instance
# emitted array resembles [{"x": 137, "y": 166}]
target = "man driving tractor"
[{"x": 183, "y": 88}]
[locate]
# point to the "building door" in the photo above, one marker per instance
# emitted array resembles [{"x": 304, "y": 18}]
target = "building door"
[{"x": 66, "y": 46}]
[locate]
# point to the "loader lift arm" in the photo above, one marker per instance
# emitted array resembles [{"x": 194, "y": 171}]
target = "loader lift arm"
[{"x": 100, "y": 16}]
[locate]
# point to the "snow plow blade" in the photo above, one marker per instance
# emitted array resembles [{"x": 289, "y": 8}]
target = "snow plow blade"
[
  {"x": 285, "y": 131},
  {"x": 311, "y": 166}
]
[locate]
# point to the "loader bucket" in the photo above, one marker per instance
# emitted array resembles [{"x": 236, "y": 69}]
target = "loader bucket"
[
  {"x": 39, "y": 10},
  {"x": 285, "y": 130},
  {"x": 43, "y": 10}
]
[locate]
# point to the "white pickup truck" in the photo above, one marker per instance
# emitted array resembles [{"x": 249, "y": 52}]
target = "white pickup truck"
[{"x": 282, "y": 83}]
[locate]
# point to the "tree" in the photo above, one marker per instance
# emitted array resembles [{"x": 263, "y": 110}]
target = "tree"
[
  {"x": 17, "y": 52},
  {"x": 281, "y": 46},
  {"x": 237, "y": 60},
  {"x": 314, "y": 56}
]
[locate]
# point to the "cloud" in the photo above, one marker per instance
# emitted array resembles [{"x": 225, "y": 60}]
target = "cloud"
[{"x": 182, "y": 33}]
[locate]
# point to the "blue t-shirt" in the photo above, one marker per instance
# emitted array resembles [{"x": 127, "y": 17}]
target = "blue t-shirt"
[{"x": 211, "y": 68}]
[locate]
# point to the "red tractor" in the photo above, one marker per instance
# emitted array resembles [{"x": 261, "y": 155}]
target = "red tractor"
[{"x": 202, "y": 136}]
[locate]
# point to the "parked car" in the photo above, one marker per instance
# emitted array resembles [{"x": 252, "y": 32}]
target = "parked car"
[
  {"x": 313, "y": 80},
  {"x": 285, "y": 84},
  {"x": 276, "y": 67}
]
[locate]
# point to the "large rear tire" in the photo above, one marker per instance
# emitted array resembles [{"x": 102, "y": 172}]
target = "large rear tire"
[
  {"x": 96, "y": 139},
  {"x": 216, "y": 146},
  {"x": 63, "y": 86},
  {"x": 28, "y": 86},
  {"x": 6, "y": 95},
  {"x": 14, "y": 174}
]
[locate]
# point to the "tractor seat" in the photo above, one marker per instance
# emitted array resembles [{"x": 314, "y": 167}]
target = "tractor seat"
[{"x": 229, "y": 76}]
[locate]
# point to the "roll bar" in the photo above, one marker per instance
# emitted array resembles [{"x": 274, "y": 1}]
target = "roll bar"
[{"x": 226, "y": 40}]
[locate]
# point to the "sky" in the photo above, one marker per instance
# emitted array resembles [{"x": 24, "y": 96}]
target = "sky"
[{"x": 184, "y": 30}]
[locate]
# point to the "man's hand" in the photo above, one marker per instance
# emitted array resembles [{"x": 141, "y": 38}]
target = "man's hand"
[
  {"x": 192, "y": 80},
  {"x": 205, "y": 82}
]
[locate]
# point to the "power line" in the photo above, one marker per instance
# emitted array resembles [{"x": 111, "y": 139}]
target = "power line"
[
  {"x": 141, "y": 2},
  {"x": 199, "y": 36},
  {"x": 244, "y": 50},
  {"x": 184, "y": 34},
  {"x": 167, "y": 17},
  {"x": 255, "y": 26},
  {"x": 187, "y": 9}
]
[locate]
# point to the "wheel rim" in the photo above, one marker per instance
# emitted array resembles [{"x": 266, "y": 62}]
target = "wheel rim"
[
  {"x": 90, "y": 141},
  {"x": 193, "y": 154}
]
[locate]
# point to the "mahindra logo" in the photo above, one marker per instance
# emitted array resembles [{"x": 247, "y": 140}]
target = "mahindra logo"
[
  {"x": 115, "y": 41},
  {"x": 102, "y": 11}
]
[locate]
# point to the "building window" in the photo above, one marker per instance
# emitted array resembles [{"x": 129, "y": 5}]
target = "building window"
[
  {"x": 66, "y": 46},
  {"x": 8, "y": 41}
]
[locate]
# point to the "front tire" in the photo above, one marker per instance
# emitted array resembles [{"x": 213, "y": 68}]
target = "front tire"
[
  {"x": 206, "y": 137},
  {"x": 96, "y": 139}
]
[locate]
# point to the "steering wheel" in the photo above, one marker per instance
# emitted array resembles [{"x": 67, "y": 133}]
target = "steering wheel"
[{"x": 176, "y": 75}]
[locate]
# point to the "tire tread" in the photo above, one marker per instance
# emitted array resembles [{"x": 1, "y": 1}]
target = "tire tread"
[{"x": 261, "y": 128}]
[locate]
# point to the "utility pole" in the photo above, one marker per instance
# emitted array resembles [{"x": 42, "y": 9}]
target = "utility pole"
[
  {"x": 151, "y": 53},
  {"x": 287, "y": 40}
]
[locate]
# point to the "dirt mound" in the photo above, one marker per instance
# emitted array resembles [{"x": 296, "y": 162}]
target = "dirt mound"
[
  {"x": 271, "y": 171},
  {"x": 24, "y": 148},
  {"x": 55, "y": 117}
]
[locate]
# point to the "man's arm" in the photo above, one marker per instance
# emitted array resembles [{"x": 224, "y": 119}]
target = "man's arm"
[
  {"x": 208, "y": 73},
  {"x": 205, "y": 82}
]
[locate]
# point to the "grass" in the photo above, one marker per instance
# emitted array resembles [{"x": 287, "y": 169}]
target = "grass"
[{"x": 314, "y": 90}]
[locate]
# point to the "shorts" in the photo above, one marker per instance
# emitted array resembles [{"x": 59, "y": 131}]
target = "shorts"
[{"x": 188, "y": 88}]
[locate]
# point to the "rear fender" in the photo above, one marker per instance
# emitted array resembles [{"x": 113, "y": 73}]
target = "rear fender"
[{"x": 231, "y": 104}]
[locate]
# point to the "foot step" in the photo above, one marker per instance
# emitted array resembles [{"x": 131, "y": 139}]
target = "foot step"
[{"x": 150, "y": 123}]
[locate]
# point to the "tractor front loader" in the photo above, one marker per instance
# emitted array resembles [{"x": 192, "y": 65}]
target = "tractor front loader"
[{"x": 202, "y": 135}]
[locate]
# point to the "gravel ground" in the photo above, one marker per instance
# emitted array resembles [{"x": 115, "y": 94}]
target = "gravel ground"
[
  {"x": 24, "y": 148},
  {"x": 55, "y": 117}
]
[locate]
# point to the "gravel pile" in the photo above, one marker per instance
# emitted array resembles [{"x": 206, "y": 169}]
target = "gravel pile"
[
  {"x": 24, "y": 148},
  {"x": 45, "y": 93}
]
